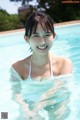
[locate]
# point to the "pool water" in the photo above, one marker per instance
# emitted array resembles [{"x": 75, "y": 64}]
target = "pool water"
[{"x": 13, "y": 47}]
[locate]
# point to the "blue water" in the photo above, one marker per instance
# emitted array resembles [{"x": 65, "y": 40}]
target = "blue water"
[{"x": 13, "y": 47}]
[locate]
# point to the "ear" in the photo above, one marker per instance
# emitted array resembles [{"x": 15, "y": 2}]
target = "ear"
[
  {"x": 54, "y": 34},
  {"x": 26, "y": 38}
]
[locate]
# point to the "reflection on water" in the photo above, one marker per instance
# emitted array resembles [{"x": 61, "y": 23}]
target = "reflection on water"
[
  {"x": 53, "y": 103},
  {"x": 63, "y": 104}
]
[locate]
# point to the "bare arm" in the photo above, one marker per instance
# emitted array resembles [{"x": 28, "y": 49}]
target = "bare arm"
[
  {"x": 47, "y": 97},
  {"x": 17, "y": 97}
]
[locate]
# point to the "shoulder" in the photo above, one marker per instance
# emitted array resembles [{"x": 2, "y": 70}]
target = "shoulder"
[
  {"x": 21, "y": 63},
  {"x": 21, "y": 66},
  {"x": 66, "y": 66},
  {"x": 18, "y": 67}
]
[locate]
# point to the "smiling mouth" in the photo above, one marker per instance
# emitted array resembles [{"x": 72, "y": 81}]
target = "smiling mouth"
[{"x": 42, "y": 47}]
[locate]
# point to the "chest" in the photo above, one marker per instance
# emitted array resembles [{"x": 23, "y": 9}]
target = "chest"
[{"x": 39, "y": 72}]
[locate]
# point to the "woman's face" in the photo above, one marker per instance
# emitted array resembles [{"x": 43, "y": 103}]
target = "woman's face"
[{"x": 41, "y": 41}]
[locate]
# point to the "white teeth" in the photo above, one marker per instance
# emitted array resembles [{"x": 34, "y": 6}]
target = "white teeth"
[{"x": 42, "y": 47}]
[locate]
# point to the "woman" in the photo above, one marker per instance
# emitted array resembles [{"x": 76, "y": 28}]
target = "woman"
[{"x": 40, "y": 67}]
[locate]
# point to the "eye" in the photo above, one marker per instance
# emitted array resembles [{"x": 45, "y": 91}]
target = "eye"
[
  {"x": 47, "y": 35},
  {"x": 35, "y": 36}
]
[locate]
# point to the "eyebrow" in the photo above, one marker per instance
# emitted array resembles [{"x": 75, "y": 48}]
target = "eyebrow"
[{"x": 44, "y": 33}]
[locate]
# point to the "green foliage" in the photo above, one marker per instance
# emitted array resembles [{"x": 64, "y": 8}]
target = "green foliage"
[
  {"x": 55, "y": 8},
  {"x": 8, "y": 22},
  {"x": 60, "y": 11}
]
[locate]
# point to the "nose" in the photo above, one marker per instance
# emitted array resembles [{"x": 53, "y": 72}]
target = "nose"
[{"x": 42, "y": 40}]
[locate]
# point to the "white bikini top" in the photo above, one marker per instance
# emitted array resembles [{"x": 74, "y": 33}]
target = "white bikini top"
[
  {"x": 51, "y": 73},
  {"x": 16, "y": 74}
]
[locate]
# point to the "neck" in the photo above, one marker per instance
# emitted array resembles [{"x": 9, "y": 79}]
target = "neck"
[{"x": 40, "y": 60}]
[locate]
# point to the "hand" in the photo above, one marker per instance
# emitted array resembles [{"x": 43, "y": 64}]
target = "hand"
[
  {"x": 62, "y": 111},
  {"x": 28, "y": 114},
  {"x": 58, "y": 85},
  {"x": 48, "y": 97}
]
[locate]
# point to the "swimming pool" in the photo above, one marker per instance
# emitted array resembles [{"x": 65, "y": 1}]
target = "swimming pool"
[{"x": 13, "y": 47}]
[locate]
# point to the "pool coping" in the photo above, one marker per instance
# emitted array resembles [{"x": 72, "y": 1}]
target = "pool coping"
[{"x": 55, "y": 25}]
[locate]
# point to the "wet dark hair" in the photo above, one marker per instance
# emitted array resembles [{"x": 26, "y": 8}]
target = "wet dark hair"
[{"x": 36, "y": 18}]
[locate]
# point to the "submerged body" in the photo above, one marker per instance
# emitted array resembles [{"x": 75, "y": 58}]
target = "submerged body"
[{"x": 40, "y": 68}]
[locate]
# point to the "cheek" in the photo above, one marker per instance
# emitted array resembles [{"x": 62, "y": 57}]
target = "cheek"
[
  {"x": 33, "y": 40},
  {"x": 50, "y": 40},
  {"x": 32, "y": 43}
]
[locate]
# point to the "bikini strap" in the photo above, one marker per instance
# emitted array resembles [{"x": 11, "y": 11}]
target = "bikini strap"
[{"x": 51, "y": 68}]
